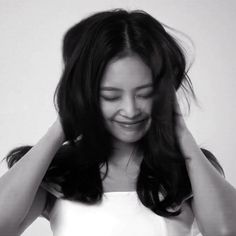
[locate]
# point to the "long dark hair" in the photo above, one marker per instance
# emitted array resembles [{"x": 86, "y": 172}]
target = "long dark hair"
[{"x": 88, "y": 46}]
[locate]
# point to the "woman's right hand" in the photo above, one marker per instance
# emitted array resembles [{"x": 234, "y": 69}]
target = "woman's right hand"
[{"x": 19, "y": 210}]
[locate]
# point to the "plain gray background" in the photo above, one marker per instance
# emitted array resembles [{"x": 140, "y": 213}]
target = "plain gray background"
[{"x": 30, "y": 67}]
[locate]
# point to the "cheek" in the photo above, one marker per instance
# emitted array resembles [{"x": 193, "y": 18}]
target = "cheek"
[
  {"x": 108, "y": 110},
  {"x": 146, "y": 106}
]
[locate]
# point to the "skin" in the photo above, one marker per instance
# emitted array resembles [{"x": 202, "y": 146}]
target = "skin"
[
  {"x": 213, "y": 203},
  {"x": 210, "y": 190},
  {"x": 126, "y": 102}
]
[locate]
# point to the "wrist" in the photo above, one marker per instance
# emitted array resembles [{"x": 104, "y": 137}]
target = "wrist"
[
  {"x": 188, "y": 145},
  {"x": 55, "y": 131}
]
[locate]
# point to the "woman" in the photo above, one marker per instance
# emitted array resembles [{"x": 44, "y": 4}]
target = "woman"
[{"x": 119, "y": 159}]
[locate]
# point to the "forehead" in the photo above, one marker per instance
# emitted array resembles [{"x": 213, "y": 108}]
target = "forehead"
[{"x": 126, "y": 72}]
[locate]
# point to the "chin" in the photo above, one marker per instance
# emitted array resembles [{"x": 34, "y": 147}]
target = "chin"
[{"x": 129, "y": 139}]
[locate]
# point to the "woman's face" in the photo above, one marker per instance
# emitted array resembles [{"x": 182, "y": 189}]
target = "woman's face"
[{"x": 126, "y": 98}]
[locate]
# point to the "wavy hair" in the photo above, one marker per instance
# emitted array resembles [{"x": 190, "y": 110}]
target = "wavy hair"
[{"x": 88, "y": 46}]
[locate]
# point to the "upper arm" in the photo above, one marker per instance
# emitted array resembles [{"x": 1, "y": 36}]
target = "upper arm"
[
  {"x": 213, "y": 160},
  {"x": 36, "y": 209}
]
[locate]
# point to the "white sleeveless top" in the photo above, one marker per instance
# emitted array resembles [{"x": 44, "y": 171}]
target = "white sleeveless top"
[{"x": 119, "y": 213}]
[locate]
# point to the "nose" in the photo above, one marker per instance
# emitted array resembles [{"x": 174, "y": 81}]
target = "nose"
[{"x": 129, "y": 108}]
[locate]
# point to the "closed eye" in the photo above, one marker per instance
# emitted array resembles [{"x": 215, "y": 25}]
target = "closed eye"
[
  {"x": 146, "y": 95},
  {"x": 113, "y": 97},
  {"x": 110, "y": 98},
  {"x": 143, "y": 96}
]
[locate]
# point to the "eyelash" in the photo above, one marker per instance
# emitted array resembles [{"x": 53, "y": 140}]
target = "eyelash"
[{"x": 146, "y": 96}]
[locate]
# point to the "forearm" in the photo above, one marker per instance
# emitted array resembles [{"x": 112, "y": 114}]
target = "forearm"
[
  {"x": 20, "y": 184},
  {"x": 214, "y": 202}
]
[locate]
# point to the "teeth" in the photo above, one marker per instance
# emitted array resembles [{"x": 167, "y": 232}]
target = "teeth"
[
  {"x": 130, "y": 126},
  {"x": 127, "y": 125}
]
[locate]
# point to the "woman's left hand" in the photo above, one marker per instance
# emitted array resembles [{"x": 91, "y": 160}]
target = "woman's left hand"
[{"x": 210, "y": 190}]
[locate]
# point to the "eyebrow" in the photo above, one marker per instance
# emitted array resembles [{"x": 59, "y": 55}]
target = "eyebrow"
[{"x": 109, "y": 88}]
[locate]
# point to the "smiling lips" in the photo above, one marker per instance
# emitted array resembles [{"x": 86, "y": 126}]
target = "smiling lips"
[{"x": 131, "y": 125}]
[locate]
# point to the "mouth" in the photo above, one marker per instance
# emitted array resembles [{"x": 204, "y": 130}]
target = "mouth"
[
  {"x": 132, "y": 126},
  {"x": 130, "y": 123}
]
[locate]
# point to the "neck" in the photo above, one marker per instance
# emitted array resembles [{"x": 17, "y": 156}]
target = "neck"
[{"x": 125, "y": 154}]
